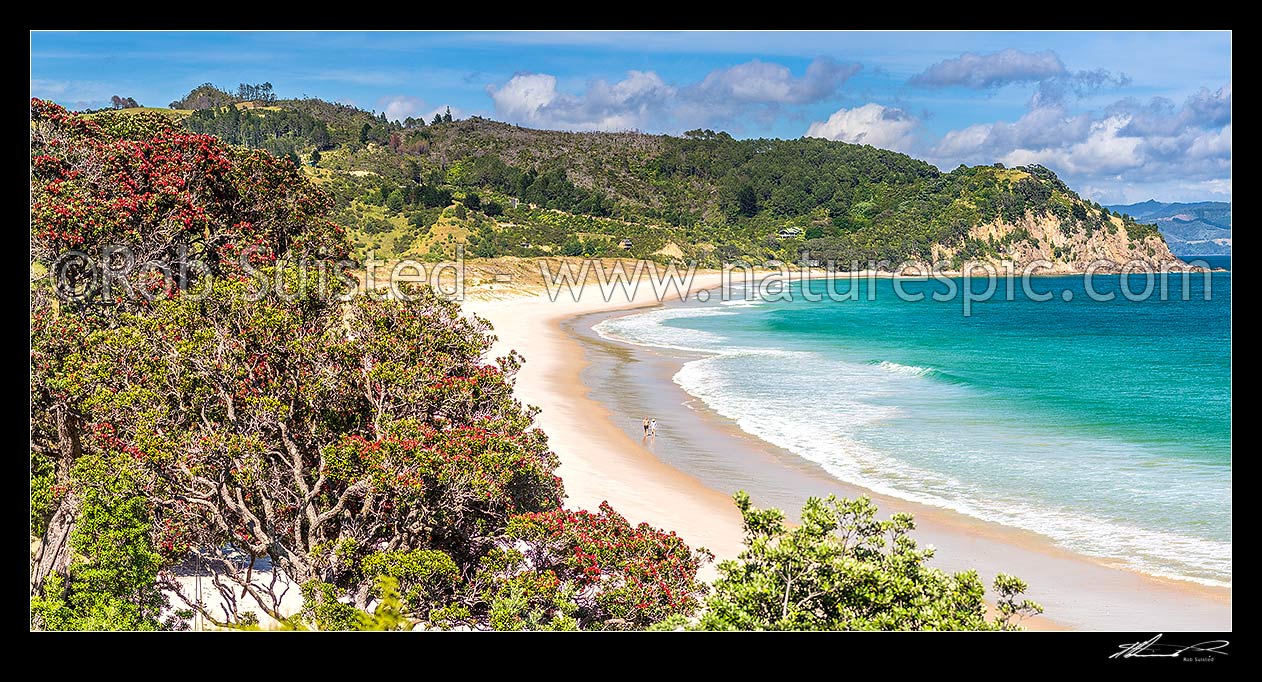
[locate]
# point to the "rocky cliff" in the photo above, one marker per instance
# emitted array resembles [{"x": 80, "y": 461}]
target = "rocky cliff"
[{"x": 1069, "y": 246}]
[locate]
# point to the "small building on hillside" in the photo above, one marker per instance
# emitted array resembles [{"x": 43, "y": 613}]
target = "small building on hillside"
[
  {"x": 789, "y": 233},
  {"x": 624, "y": 243}
]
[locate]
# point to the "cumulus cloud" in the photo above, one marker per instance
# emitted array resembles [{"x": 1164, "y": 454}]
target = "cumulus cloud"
[
  {"x": 533, "y": 99},
  {"x": 872, "y": 123},
  {"x": 997, "y": 69},
  {"x": 1104, "y": 151},
  {"x": 755, "y": 88},
  {"x": 1160, "y": 116},
  {"x": 1080, "y": 84},
  {"x": 1140, "y": 142},
  {"x": 401, "y": 107},
  {"x": 770, "y": 83},
  {"x": 1037, "y": 128},
  {"x": 981, "y": 71}
]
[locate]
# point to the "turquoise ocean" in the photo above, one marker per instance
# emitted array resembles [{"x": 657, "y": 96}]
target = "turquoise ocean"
[{"x": 1104, "y": 426}]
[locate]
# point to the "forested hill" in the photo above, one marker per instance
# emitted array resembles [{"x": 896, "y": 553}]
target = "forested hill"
[{"x": 421, "y": 188}]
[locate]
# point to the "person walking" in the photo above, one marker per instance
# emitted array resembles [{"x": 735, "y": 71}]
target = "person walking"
[
  {"x": 653, "y": 427},
  {"x": 646, "y": 427}
]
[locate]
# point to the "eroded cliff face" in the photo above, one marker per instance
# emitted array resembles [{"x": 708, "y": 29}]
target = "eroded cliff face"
[{"x": 1069, "y": 246}]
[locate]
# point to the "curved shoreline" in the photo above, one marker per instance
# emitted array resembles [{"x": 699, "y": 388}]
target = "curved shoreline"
[{"x": 601, "y": 459}]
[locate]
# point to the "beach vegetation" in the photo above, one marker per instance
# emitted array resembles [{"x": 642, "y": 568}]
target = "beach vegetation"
[
  {"x": 369, "y": 450},
  {"x": 842, "y": 568}
]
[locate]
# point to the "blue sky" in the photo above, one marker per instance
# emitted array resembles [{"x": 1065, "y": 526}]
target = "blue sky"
[{"x": 1122, "y": 116}]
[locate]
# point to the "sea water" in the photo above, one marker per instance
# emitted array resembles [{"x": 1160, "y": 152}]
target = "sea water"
[{"x": 1102, "y": 425}]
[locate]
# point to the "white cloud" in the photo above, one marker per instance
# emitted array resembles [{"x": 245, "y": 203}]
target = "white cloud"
[
  {"x": 1128, "y": 144},
  {"x": 1159, "y": 116},
  {"x": 755, "y": 88},
  {"x": 972, "y": 70},
  {"x": 766, "y": 82},
  {"x": 521, "y": 98},
  {"x": 1037, "y": 128},
  {"x": 1105, "y": 151},
  {"x": 872, "y": 123},
  {"x": 997, "y": 69},
  {"x": 401, "y": 107},
  {"x": 1212, "y": 144},
  {"x": 533, "y": 99}
]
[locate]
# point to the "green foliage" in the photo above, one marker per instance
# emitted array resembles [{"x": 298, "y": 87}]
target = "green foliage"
[
  {"x": 321, "y": 609},
  {"x": 134, "y": 125},
  {"x": 747, "y": 202},
  {"x": 112, "y": 582},
  {"x": 529, "y": 602},
  {"x": 278, "y": 131},
  {"x": 423, "y": 578},
  {"x": 45, "y": 495},
  {"x": 843, "y": 569},
  {"x": 205, "y": 96},
  {"x": 256, "y": 92},
  {"x": 1137, "y": 232},
  {"x": 394, "y": 201}
]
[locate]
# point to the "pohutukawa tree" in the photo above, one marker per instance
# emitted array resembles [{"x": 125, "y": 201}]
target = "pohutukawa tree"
[
  {"x": 180, "y": 207},
  {"x": 258, "y": 425}
]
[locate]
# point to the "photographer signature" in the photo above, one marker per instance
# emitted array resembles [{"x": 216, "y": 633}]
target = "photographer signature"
[{"x": 1154, "y": 649}]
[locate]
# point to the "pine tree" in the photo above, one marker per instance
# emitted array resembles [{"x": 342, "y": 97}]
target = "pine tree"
[{"x": 447, "y": 116}]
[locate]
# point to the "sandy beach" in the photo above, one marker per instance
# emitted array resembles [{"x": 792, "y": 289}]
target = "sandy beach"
[{"x": 602, "y": 458}]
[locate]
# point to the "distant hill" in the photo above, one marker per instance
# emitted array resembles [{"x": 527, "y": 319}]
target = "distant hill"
[
  {"x": 1191, "y": 229},
  {"x": 422, "y": 190}
]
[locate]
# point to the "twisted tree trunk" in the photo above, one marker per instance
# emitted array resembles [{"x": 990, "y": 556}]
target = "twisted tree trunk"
[{"x": 53, "y": 553}]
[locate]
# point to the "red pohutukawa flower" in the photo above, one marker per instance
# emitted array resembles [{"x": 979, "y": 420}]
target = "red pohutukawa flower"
[{"x": 167, "y": 195}]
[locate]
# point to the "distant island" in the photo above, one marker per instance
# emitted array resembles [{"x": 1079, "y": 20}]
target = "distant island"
[
  {"x": 1191, "y": 229},
  {"x": 418, "y": 189}
]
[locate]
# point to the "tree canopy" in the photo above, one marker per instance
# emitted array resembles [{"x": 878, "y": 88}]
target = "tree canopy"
[
  {"x": 265, "y": 422},
  {"x": 843, "y": 569}
]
